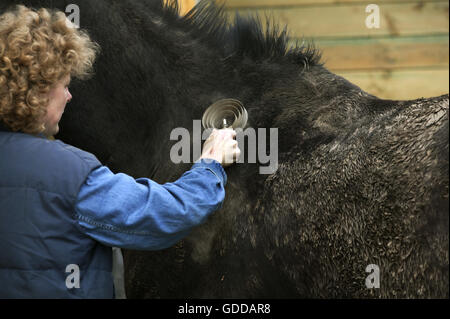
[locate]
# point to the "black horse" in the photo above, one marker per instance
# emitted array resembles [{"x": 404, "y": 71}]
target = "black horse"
[{"x": 361, "y": 180}]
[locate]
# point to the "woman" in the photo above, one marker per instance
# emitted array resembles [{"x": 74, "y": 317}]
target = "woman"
[{"x": 61, "y": 211}]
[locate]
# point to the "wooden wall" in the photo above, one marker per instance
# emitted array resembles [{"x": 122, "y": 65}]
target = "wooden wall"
[
  {"x": 406, "y": 58},
  {"x": 186, "y": 5}
]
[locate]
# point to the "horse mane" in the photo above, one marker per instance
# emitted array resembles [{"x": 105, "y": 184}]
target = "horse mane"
[{"x": 245, "y": 37}]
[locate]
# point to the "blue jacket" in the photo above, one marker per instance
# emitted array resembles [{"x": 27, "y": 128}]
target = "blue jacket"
[
  {"x": 55, "y": 239},
  {"x": 39, "y": 238}
]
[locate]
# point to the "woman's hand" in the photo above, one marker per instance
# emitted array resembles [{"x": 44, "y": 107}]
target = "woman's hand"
[{"x": 222, "y": 147}]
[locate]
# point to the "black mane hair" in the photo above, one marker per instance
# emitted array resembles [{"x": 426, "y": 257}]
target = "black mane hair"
[{"x": 245, "y": 37}]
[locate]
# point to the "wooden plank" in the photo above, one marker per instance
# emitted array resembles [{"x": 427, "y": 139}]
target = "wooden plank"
[
  {"x": 283, "y": 3},
  {"x": 398, "y": 19},
  {"x": 401, "y": 85},
  {"x": 186, "y": 5},
  {"x": 387, "y": 53}
]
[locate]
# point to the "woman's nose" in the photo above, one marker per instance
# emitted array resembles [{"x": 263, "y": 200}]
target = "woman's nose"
[{"x": 69, "y": 96}]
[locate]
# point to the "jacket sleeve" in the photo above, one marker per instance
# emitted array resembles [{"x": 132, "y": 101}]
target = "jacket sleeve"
[{"x": 118, "y": 210}]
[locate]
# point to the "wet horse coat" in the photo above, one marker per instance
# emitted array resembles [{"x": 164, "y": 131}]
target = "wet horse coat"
[{"x": 361, "y": 180}]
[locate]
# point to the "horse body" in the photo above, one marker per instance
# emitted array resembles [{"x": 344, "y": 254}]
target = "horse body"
[{"x": 361, "y": 181}]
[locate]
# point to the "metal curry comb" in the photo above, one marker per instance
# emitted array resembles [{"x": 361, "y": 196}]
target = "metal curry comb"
[{"x": 225, "y": 113}]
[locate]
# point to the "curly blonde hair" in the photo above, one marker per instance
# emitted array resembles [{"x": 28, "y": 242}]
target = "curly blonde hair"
[{"x": 37, "y": 49}]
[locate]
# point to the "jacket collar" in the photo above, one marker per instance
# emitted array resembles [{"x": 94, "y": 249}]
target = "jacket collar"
[{"x": 4, "y": 128}]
